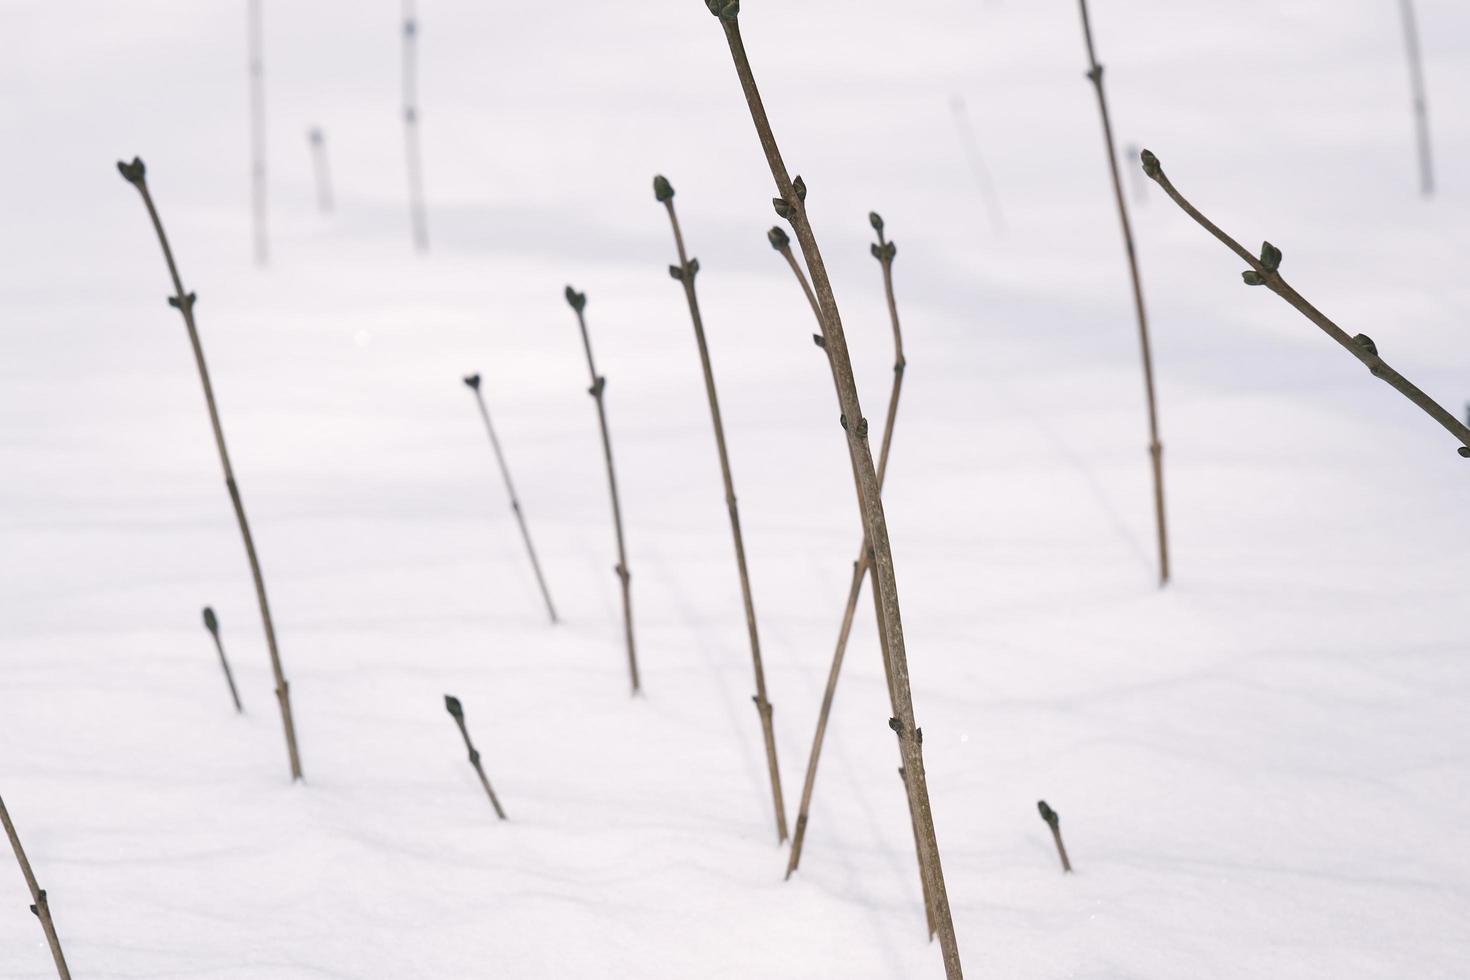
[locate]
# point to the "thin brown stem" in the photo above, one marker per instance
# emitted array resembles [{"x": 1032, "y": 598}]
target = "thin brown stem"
[
  {"x": 1155, "y": 447},
  {"x": 1055, "y": 823},
  {"x": 578, "y": 302},
  {"x": 1263, "y": 272},
  {"x": 685, "y": 272},
  {"x": 473, "y": 381},
  {"x": 40, "y": 907},
  {"x": 417, "y": 216},
  {"x": 1421, "y": 100},
  {"x": 456, "y": 711},
  {"x": 791, "y": 198},
  {"x": 884, "y": 251},
  {"x": 254, "y": 30},
  {"x": 211, "y": 623},
  {"x": 183, "y": 301}
]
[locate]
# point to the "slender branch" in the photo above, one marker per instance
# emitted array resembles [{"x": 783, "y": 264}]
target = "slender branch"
[
  {"x": 318, "y": 141},
  {"x": 211, "y": 623},
  {"x": 685, "y": 272},
  {"x": 1421, "y": 100},
  {"x": 884, "y": 251},
  {"x": 254, "y": 30},
  {"x": 791, "y": 204},
  {"x": 40, "y": 907},
  {"x": 417, "y": 217},
  {"x": 1155, "y": 447},
  {"x": 977, "y": 164},
  {"x": 578, "y": 302},
  {"x": 456, "y": 711},
  {"x": 473, "y": 382},
  {"x": 1263, "y": 272},
  {"x": 135, "y": 174},
  {"x": 1055, "y": 823}
]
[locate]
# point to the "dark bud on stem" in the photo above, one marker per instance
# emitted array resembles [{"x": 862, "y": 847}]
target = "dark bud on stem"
[
  {"x": 662, "y": 189},
  {"x": 876, "y": 220},
  {"x": 819, "y": 340},
  {"x": 1048, "y": 814},
  {"x": 132, "y": 172},
  {"x": 1366, "y": 342},
  {"x": 576, "y": 300},
  {"x": 211, "y": 622},
  {"x": 724, "y": 9},
  {"x": 1253, "y": 278},
  {"x": 473, "y": 380},
  {"x": 1270, "y": 256},
  {"x": 799, "y": 186},
  {"x": 676, "y": 272},
  {"x": 783, "y": 210},
  {"x": 778, "y": 239},
  {"x": 1151, "y": 164},
  {"x": 451, "y": 704}
]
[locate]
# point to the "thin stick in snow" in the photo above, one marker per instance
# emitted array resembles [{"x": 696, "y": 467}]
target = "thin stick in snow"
[
  {"x": 791, "y": 205},
  {"x": 417, "y": 217},
  {"x": 976, "y": 160},
  {"x": 318, "y": 141},
  {"x": 1055, "y": 823},
  {"x": 135, "y": 174},
  {"x": 255, "y": 39},
  {"x": 685, "y": 272},
  {"x": 1263, "y": 272},
  {"x": 578, "y": 303},
  {"x": 1421, "y": 101},
  {"x": 884, "y": 251},
  {"x": 456, "y": 711},
  {"x": 40, "y": 907},
  {"x": 473, "y": 381},
  {"x": 211, "y": 623},
  {"x": 1155, "y": 447}
]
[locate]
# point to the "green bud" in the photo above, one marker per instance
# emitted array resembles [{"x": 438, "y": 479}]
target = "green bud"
[
  {"x": 662, "y": 189},
  {"x": 452, "y": 705},
  {"x": 778, "y": 239},
  {"x": 876, "y": 221},
  {"x": 783, "y": 210},
  {"x": 1151, "y": 164},
  {"x": 1270, "y": 256},
  {"x": 575, "y": 299},
  {"x": 1252, "y": 278},
  {"x": 1048, "y": 814},
  {"x": 211, "y": 622},
  {"x": 799, "y": 186},
  {"x": 473, "y": 380},
  {"x": 133, "y": 172},
  {"x": 1366, "y": 342}
]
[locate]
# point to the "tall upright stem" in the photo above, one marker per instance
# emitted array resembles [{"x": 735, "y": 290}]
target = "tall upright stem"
[
  {"x": 473, "y": 381},
  {"x": 38, "y": 894},
  {"x": 884, "y": 251},
  {"x": 855, "y": 426},
  {"x": 255, "y": 34},
  {"x": 417, "y": 216},
  {"x": 184, "y": 302},
  {"x": 685, "y": 272},
  {"x": 1263, "y": 272},
  {"x": 578, "y": 302},
  {"x": 1421, "y": 100},
  {"x": 1155, "y": 447}
]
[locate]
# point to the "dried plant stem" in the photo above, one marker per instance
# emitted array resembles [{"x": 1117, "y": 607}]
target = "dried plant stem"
[
  {"x": 1055, "y": 823},
  {"x": 578, "y": 302},
  {"x": 884, "y": 251},
  {"x": 685, "y": 272},
  {"x": 40, "y": 908},
  {"x": 211, "y": 623},
  {"x": 791, "y": 201},
  {"x": 456, "y": 711},
  {"x": 1155, "y": 447},
  {"x": 473, "y": 381},
  {"x": 183, "y": 301},
  {"x": 319, "y": 167},
  {"x": 255, "y": 39},
  {"x": 1263, "y": 272},
  {"x": 1421, "y": 100},
  {"x": 417, "y": 216}
]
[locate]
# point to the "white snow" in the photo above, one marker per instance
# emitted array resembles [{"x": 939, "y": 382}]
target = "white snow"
[{"x": 1263, "y": 771}]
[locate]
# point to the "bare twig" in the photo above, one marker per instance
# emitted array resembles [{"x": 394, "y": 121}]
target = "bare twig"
[
  {"x": 1421, "y": 100},
  {"x": 417, "y": 216},
  {"x": 976, "y": 160},
  {"x": 211, "y": 623},
  {"x": 135, "y": 174},
  {"x": 473, "y": 381},
  {"x": 1155, "y": 447},
  {"x": 1263, "y": 272},
  {"x": 255, "y": 39},
  {"x": 1055, "y": 823},
  {"x": 456, "y": 711},
  {"x": 578, "y": 303},
  {"x": 318, "y": 141},
  {"x": 685, "y": 272},
  {"x": 40, "y": 907},
  {"x": 791, "y": 204}
]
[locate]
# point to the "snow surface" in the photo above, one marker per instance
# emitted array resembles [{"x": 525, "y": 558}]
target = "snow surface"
[{"x": 1262, "y": 771}]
